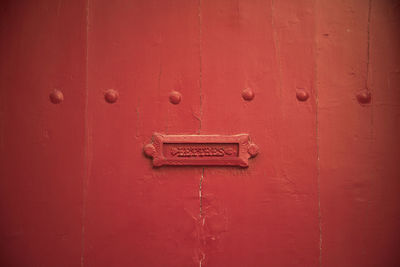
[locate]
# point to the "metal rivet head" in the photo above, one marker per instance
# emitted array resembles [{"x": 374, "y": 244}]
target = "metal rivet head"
[
  {"x": 248, "y": 94},
  {"x": 175, "y": 97},
  {"x": 149, "y": 150},
  {"x": 253, "y": 150},
  {"x": 56, "y": 96},
  {"x": 363, "y": 97},
  {"x": 301, "y": 95},
  {"x": 111, "y": 96}
]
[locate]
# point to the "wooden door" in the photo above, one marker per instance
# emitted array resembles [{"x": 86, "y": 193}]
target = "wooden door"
[{"x": 86, "y": 84}]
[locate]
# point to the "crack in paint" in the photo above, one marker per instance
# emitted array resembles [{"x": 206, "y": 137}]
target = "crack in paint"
[
  {"x": 316, "y": 45},
  {"x": 200, "y": 118},
  {"x": 200, "y": 193},
  {"x": 201, "y": 260}
]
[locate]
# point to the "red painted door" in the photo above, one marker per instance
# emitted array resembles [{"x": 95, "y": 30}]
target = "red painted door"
[{"x": 84, "y": 85}]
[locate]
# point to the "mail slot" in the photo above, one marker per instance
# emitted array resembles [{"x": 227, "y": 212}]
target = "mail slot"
[{"x": 224, "y": 150}]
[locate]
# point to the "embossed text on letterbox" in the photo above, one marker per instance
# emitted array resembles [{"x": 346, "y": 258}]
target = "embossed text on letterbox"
[{"x": 200, "y": 150}]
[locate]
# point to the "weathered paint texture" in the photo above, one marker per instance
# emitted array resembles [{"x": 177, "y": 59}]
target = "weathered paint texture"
[{"x": 85, "y": 84}]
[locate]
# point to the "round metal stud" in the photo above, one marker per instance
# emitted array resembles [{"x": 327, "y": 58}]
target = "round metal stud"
[
  {"x": 149, "y": 150},
  {"x": 111, "y": 96},
  {"x": 253, "y": 150},
  {"x": 302, "y": 95},
  {"x": 248, "y": 94},
  {"x": 175, "y": 97},
  {"x": 364, "y": 97},
  {"x": 56, "y": 96}
]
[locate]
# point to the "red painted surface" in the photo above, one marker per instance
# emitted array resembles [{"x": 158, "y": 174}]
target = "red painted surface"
[
  {"x": 85, "y": 84},
  {"x": 359, "y": 142},
  {"x": 42, "y": 147}
]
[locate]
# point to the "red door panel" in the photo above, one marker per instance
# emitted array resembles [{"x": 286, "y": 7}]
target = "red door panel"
[
  {"x": 137, "y": 215},
  {"x": 358, "y": 143},
  {"x": 266, "y": 215},
  {"x": 42, "y": 159}
]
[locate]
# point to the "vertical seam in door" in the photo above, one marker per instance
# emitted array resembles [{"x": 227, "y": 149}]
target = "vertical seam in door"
[
  {"x": 368, "y": 47},
  {"x": 200, "y": 121},
  {"x": 276, "y": 45},
  {"x": 200, "y": 67},
  {"x": 317, "y": 132},
  {"x": 367, "y": 76},
  {"x": 86, "y": 142}
]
